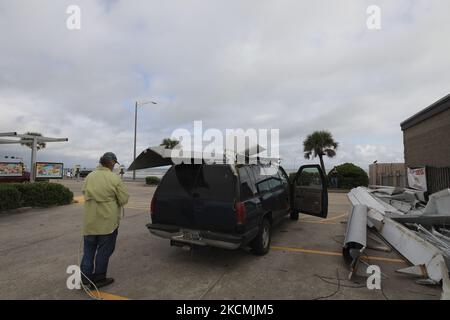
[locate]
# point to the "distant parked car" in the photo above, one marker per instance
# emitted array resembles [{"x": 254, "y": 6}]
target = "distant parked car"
[
  {"x": 24, "y": 178},
  {"x": 233, "y": 206},
  {"x": 84, "y": 173}
]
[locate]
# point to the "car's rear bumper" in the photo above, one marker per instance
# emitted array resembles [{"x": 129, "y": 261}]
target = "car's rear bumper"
[{"x": 205, "y": 238}]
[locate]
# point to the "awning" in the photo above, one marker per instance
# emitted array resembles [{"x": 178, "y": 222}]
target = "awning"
[
  {"x": 160, "y": 156},
  {"x": 151, "y": 158}
]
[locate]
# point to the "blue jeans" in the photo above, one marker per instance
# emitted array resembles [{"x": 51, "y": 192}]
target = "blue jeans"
[{"x": 97, "y": 251}]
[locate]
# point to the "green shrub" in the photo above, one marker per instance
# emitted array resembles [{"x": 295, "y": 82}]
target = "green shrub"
[
  {"x": 10, "y": 197},
  {"x": 44, "y": 194},
  {"x": 152, "y": 180},
  {"x": 350, "y": 176},
  {"x": 306, "y": 178},
  {"x": 39, "y": 194}
]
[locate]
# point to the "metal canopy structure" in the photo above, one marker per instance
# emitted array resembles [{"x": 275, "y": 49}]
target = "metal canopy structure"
[
  {"x": 33, "y": 140},
  {"x": 160, "y": 156}
]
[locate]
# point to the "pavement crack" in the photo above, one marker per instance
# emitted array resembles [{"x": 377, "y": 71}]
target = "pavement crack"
[{"x": 213, "y": 285}]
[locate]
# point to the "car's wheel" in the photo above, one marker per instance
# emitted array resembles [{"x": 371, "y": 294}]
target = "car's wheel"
[
  {"x": 261, "y": 244},
  {"x": 294, "y": 215}
]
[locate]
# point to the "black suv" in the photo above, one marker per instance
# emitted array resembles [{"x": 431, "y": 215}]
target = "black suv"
[{"x": 233, "y": 206}]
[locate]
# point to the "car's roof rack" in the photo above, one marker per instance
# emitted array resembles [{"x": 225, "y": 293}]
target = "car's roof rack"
[{"x": 160, "y": 156}]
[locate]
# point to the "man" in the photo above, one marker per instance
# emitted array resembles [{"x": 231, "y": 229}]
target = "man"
[{"x": 104, "y": 194}]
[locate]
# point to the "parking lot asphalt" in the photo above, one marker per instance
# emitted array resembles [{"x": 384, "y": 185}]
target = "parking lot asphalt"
[{"x": 305, "y": 260}]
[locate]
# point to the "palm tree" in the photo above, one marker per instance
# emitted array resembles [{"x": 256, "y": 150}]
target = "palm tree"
[
  {"x": 169, "y": 143},
  {"x": 29, "y": 142},
  {"x": 319, "y": 144}
]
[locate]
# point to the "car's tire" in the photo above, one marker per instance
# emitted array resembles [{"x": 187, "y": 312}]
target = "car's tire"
[
  {"x": 261, "y": 244},
  {"x": 294, "y": 215}
]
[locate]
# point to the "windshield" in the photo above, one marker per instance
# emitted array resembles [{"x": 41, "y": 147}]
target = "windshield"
[{"x": 209, "y": 182}]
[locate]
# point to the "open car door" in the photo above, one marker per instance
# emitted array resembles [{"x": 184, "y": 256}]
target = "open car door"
[{"x": 309, "y": 191}]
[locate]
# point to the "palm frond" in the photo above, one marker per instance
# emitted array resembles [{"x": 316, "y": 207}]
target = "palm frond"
[
  {"x": 330, "y": 153},
  {"x": 320, "y": 143}
]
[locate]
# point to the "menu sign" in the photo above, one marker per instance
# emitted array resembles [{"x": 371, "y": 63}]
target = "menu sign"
[
  {"x": 48, "y": 170},
  {"x": 11, "y": 169}
]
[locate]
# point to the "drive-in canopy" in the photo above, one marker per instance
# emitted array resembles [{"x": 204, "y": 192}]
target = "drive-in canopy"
[
  {"x": 160, "y": 156},
  {"x": 33, "y": 140}
]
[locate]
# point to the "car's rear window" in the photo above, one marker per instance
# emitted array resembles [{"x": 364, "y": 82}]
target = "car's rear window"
[{"x": 209, "y": 182}]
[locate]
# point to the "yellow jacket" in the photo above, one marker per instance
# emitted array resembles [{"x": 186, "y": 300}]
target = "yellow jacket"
[{"x": 104, "y": 195}]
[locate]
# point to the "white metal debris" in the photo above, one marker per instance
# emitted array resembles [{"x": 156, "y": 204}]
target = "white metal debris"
[
  {"x": 355, "y": 236},
  {"x": 439, "y": 203},
  {"x": 418, "y": 231}
]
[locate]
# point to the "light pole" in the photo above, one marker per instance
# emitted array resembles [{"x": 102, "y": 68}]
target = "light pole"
[{"x": 138, "y": 104}]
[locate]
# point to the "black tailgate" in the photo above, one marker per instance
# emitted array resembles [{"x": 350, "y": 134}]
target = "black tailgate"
[{"x": 197, "y": 196}]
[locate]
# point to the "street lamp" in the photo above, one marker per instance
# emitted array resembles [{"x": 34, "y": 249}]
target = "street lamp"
[{"x": 138, "y": 104}]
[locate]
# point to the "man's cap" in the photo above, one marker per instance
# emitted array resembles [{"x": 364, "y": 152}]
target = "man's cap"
[{"x": 109, "y": 156}]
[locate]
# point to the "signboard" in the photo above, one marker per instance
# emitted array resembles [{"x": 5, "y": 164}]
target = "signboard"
[
  {"x": 11, "y": 169},
  {"x": 417, "y": 179},
  {"x": 49, "y": 170}
]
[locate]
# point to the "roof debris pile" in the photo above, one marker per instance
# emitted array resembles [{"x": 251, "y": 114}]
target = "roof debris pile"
[{"x": 418, "y": 229}]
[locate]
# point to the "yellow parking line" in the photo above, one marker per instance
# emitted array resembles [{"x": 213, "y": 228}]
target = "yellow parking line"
[
  {"x": 336, "y": 217},
  {"x": 325, "y": 253},
  {"x": 320, "y": 222},
  {"x": 325, "y": 220},
  {"x": 79, "y": 199},
  {"x": 366, "y": 258},
  {"x": 137, "y": 208},
  {"x": 330, "y": 253},
  {"x": 107, "y": 296}
]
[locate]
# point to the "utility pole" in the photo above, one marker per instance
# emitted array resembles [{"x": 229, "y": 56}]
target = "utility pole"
[
  {"x": 33, "y": 160},
  {"x": 137, "y": 104},
  {"x": 135, "y": 134}
]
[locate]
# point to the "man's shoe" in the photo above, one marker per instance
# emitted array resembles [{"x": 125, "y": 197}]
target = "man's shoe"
[
  {"x": 86, "y": 284},
  {"x": 103, "y": 282}
]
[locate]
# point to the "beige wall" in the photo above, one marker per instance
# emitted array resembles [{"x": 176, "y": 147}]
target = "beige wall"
[
  {"x": 428, "y": 142},
  {"x": 390, "y": 174}
]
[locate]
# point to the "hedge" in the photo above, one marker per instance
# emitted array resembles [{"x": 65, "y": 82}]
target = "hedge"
[
  {"x": 10, "y": 197},
  {"x": 39, "y": 194},
  {"x": 350, "y": 176},
  {"x": 152, "y": 180}
]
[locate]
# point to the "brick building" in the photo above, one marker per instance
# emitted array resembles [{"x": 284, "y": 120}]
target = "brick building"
[
  {"x": 426, "y": 140},
  {"x": 426, "y": 136}
]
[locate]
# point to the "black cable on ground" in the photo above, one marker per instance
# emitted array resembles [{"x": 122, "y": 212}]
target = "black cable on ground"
[
  {"x": 381, "y": 287},
  {"x": 328, "y": 280},
  {"x": 337, "y": 290},
  {"x": 337, "y": 241}
]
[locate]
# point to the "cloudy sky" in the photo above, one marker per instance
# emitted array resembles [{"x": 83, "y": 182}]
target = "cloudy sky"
[{"x": 297, "y": 66}]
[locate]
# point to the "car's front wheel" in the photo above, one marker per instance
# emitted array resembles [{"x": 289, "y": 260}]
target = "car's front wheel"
[{"x": 261, "y": 244}]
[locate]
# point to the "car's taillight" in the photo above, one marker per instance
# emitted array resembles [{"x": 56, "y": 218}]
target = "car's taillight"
[
  {"x": 152, "y": 206},
  {"x": 240, "y": 212}
]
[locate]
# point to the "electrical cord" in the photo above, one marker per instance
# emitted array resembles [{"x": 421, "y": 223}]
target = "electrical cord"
[
  {"x": 381, "y": 287},
  {"x": 337, "y": 290},
  {"x": 337, "y": 241},
  {"x": 328, "y": 280},
  {"x": 85, "y": 288}
]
